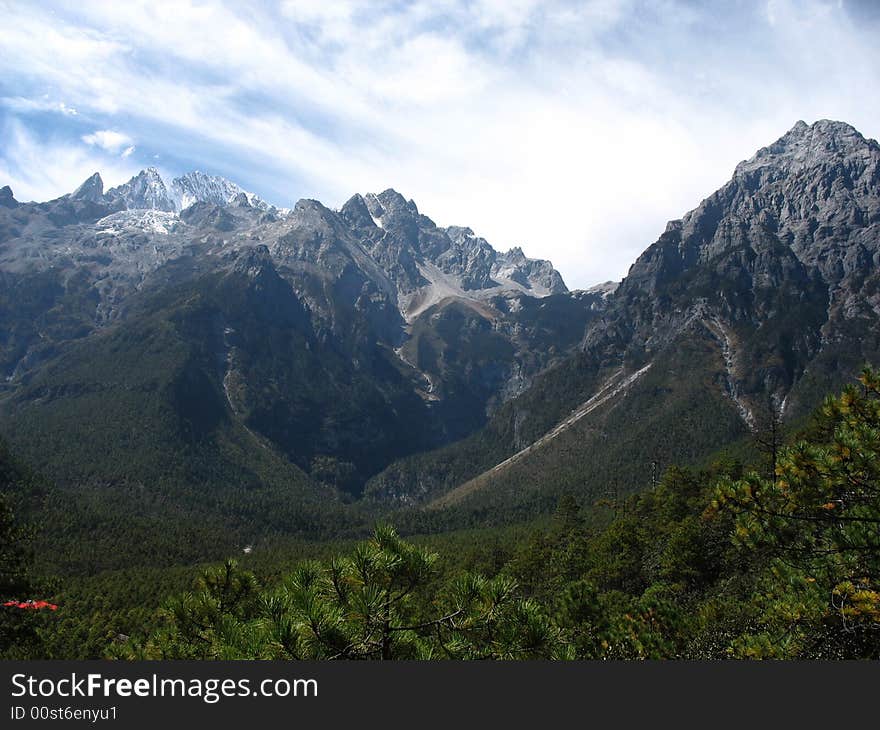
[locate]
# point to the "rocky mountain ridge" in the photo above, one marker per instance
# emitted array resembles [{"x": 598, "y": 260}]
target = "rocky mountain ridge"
[
  {"x": 749, "y": 308},
  {"x": 796, "y": 227},
  {"x": 422, "y": 331},
  {"x": 148, "y": 191},
  {"x": 423, "y": 262}
]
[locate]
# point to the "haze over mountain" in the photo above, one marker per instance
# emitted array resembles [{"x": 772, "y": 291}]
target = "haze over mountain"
[{"x": 262, "y": 366}]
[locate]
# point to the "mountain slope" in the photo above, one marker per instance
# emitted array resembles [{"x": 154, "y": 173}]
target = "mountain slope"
[
  {"x": 285, "y": 341},
  {"x": 770, "y": 289},
  {"x": 238, "y": 359}
]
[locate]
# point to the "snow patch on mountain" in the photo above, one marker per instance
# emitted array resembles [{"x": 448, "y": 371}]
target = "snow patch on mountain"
[
  {"x": 444, "y": 285},
  {"x": 151, "y": 221},
  {"x": 375, "y": 209}
]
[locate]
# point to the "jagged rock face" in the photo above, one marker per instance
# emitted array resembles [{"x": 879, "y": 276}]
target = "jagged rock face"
[
  {"x": 148, "y": 191},
  {"x": 208, "y": 215},
  {"x": 796, "y": 229},
  {"x": 470, "y": 259},
  {"x": 815, "y": 191},
  {"x": 530, "y": 273},
  {"x": 144, "y": 190},
  {"x": 199, "y": 187},
  {"x": 91, "y": 190},
  {"x": 429, "y": 264}
]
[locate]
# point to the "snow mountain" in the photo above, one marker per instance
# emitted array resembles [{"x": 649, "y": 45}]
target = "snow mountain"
[
  {"x": 199, "y": 187},
  {"x": 148, "y": 191}
]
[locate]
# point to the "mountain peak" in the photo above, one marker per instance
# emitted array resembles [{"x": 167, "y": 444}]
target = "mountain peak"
[
  {"x": 198, "y": 186},
  {"x": 92, "y": 189},
  {"x": 812, "y": 192},
  {"x": 809, "y": 145},
  {"x": 150, "y": 175},
  {"x": 146, "y": 190},
  {"x": 357, "y": 213},
  {"x": 394, "y": 202},
  {"x": 460, "y": 234},
  {"x": 7, "y": 199}
]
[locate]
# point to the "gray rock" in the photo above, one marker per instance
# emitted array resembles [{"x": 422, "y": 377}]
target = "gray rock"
[
  {"x": 91, "y": 190},
  {"x": 7, "y": 199},
  {"x": 797, "y": 228},
  {"x": 146, "y": 190}
]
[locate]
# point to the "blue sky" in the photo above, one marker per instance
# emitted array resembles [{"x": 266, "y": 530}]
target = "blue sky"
[{"x": 572, "y": 129}]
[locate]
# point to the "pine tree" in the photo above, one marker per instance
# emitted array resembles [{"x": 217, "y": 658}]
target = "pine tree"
[
  {"x": 380, "y": 602},
  {"x": 818, "y": 523}
]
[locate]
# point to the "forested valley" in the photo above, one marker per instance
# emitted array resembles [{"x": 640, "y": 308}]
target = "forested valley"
[{"x": 777, "y": 557}]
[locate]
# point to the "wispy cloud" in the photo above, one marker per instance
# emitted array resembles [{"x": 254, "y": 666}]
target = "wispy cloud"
[
  {"x": 43, "y": 167},
  {"x": 109, "y": 140},
  {"x": 574, "y": 129},
  {"x": 41, "y": 104}
]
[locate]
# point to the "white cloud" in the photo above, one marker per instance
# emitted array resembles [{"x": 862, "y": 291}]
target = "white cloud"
[
  {"x": 573, "y": 129},
  {"x": 108, "y": 139}
]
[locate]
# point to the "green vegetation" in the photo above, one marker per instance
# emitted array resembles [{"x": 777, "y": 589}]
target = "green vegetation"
[
  {"x": 381, "y": 602},
  {"x": 732, "y": 563},
  {"x": 19, "y": 628},
  {"x": 817, "y": 523},
  {"x": 665, "y": 418},
  {"x": 777, "y": 560}
]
